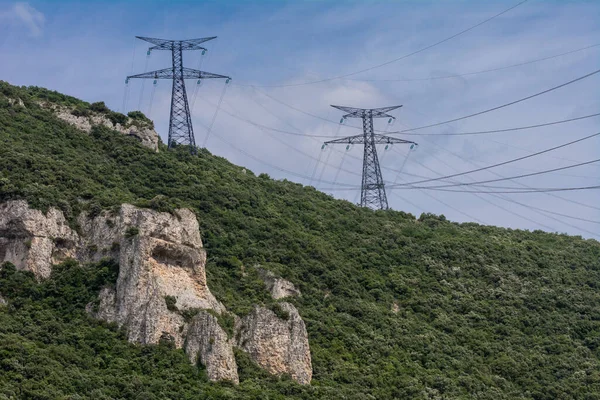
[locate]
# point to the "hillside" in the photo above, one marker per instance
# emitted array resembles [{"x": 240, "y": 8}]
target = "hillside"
[{"x": 395, "y": 306}]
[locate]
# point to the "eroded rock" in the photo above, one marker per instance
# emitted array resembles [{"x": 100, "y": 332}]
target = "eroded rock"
[
  {"x": 208, "y": 343},
  {"x": 277, "y": 286},
  {"x": 33, "y": 240},
  {"x": 2, "y": 301},
  {"x": 161, "y": 291},
  {"x": 160, "y": 256},
  {"x": 278, "y": 345},
  {"x": 143, "y": 132},
  {"x": 16, "y": 101}
]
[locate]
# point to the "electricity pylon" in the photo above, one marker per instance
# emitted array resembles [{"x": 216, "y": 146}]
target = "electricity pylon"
[
  {"x": 372, "y": 190},
  {"x": 181, "y": 131}
]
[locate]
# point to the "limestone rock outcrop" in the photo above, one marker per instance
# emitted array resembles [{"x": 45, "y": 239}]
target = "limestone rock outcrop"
[
  {"x": 278, "y": 345},
  {"x": 277, "y": 286},
  {"x": 145, "y": 133},
  {"x": 207, "y": 343},
  {"x": 161, "y": 291},
  {"x": 16, "y": 101},
  {"x": 32, "y": 240},
  {"x": 160, "y": 256},
  {"x": 2, "y": 301}
]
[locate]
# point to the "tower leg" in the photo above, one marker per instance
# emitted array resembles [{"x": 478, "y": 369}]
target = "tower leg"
[
  {"x": 180, "y": 124},
  {"x": 372, "y": 188}
]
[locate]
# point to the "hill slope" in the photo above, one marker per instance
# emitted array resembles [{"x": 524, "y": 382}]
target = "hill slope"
[{"x": 395, "y": 307}]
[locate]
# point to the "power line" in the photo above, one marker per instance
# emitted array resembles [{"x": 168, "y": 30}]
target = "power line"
[
  {"x": 519, "y": 128},
  {"x": 506, "y": 162},
  {"x": 287, "y": 144},
  {"x": 260, "y": 126},
  {"x": 491, "y": 202},
  {"x": 534, "y": 209},
  {"x": 387, "y": 168},
  {"x": 449, "y": 206},
  {"x": 541, "y": 190},
  {"x": 478, "y": 72},
  {"x": 510, "y": 200},
  {"x": 519, "y": 183},
  {"x": 396, "y": 59},
  {"x": 522, "y": 184},
  {"x": 259, "y": 160},
  {"x": 503, "y": 105},
  {"x": 263, "y": 127},
  {"x": 409, "y": 131},
  {"x": 517, "y": 176},
  {"x": 555, "y": 213},
  {"x": 485, "y": 200}
]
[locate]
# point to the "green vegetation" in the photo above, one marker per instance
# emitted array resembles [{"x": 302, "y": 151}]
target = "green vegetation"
[
  {"x": 482, "y": 312},
  {"x": 131, "y": 232},
  {"x": 171, "y": 301}
]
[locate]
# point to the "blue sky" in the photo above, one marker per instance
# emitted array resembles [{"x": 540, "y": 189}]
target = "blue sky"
[{"x": 86, "y": 49}]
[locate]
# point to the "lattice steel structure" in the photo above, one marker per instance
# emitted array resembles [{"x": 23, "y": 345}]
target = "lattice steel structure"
[
  {"x": 372, "y": 191},
  {"x": 181, "y": 131}
]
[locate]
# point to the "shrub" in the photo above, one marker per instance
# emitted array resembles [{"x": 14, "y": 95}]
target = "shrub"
[
  {"x": 280, "y": 312},
  {"x": 131, "y": 232},
  {"x": 117, "y": 118},
  {"x": 99, "y": 107},
  {"x": 171, "y": 302}
]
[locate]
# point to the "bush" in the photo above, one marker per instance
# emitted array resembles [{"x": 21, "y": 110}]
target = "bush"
[
  {"x": 117, "y": 118},
  {"x": 131, "y": 232},
  {"x": 99, "y": 107},
  {"x": 80, "y": 111},
  {"x": 280, "y": 312},
  {"x": 138, "y": 116},
  {"x": 171, "y": 303}
]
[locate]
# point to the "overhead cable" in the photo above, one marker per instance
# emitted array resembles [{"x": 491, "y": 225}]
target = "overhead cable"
[
  {"x": 398, "y": 58},
  {"x": 478, "y": 72},
  {"x": 477, "y": 183},
  {"x": 519, "y": 128},
  {"x": 504, "y": 105},
  {"x": 505, "y": 162}
]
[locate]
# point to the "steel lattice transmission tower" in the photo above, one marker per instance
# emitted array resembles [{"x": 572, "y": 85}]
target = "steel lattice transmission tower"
[
  {"x": 372, "y": 190},
  {"x": 181, "y": 131}
]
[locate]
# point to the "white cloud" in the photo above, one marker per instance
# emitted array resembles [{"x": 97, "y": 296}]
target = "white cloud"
[{"x": 25, "y": 15}]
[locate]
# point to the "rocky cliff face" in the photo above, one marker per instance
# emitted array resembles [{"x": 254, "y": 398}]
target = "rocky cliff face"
[
  {"x": 32, "y": 240},
  {"x": 161, "y": 291},
  {"x": 160, "y": 257},
  {"x": 143, "y": 132},
  {"x": 208, "y": 343},
  {"x": 278, "y": 345}
]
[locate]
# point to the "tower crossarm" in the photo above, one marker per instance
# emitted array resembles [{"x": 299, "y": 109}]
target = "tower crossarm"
[
  {"x": 164, "y": 44},
  {"x": 188, "y": 73},
  {"x": 377, "y": 139},
  {"x": 382, "y": 139},
  {"x": 363, "y": 112},
  {"x": 358, "y": 139}
]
